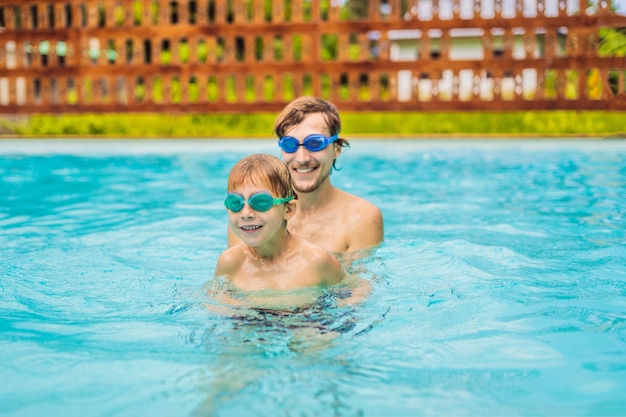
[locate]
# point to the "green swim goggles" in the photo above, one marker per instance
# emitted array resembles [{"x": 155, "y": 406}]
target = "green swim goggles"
[{"x": 260, "y": 201}]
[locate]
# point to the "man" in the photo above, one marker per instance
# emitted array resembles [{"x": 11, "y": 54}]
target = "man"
[{"x": 308, "y": 131}]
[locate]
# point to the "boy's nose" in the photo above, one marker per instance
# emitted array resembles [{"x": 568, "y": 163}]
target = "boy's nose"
[{"x": 247, "y": 211}]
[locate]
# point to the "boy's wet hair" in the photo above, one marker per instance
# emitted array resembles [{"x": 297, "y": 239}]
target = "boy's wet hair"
[
  {"x": 300, "y": 108},
  {"x": 262, "y": 170}
]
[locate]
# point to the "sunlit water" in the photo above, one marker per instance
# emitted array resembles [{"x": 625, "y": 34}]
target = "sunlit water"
[{"x": 499, "y": 290}]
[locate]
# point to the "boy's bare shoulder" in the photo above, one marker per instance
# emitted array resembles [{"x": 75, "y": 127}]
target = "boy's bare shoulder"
[
  {"x": 325, "y": 262},
  {"x": 230, "y": 260}
]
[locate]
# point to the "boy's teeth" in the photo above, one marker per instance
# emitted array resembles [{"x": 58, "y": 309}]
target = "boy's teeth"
[{"x": 250, "y": 227}]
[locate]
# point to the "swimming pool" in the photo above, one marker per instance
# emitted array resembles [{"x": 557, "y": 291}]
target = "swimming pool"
[{"x": 499, "y": 290}]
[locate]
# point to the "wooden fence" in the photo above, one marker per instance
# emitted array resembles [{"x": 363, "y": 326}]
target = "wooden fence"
[{"x": 200, "y": 56}]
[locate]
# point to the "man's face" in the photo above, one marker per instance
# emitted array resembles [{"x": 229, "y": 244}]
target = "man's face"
[{"x": 310, "y": 169}]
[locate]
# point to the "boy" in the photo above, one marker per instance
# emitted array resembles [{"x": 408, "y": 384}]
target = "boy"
[{"x": 259, "y": 204}]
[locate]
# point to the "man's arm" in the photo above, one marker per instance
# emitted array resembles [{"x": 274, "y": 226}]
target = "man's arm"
[{"x": 360, "y": 289}]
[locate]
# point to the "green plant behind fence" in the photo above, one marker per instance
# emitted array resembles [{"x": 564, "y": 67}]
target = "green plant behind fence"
[{"x": 375, "y": 124}]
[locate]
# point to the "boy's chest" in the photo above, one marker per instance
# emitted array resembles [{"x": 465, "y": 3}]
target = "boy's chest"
[{"x": 255, "y": 277}]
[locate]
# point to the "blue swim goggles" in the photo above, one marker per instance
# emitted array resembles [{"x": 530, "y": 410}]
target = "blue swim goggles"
[
  {"x": 314, "y": 143},
  {"x": 260, "y": 201}
]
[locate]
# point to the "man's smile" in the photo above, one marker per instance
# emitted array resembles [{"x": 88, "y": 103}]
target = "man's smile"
[{"x": 306, "y": 170}]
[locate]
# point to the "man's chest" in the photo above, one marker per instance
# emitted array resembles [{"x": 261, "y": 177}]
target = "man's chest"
[{"x": 332, "y": 237}]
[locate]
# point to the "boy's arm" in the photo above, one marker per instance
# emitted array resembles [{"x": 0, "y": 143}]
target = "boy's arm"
[{"x": 226, "y": 265}]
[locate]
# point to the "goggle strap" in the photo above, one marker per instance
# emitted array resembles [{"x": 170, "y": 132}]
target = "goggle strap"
[{"x": 283, "y": 200}]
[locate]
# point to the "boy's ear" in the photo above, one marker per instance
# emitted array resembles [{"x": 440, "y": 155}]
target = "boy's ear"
[{"x": 291, "y": 210}]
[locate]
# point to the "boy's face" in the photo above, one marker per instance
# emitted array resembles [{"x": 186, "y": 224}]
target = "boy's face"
[
  {"x": 310, "y": 169},
  {"x": 254, "y": 227}
]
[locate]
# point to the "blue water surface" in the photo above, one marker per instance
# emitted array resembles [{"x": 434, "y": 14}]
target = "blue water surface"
[{"x": 500, "y": 288}]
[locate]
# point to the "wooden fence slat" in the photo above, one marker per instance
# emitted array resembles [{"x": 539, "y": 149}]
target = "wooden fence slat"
[{"x": 221, "y": 55}]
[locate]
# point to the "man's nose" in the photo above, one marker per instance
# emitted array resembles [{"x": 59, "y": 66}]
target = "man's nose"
[{"x": 302, "y": 154}]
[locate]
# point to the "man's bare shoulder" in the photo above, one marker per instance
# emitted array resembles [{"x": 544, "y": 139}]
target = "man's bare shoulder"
[
  {"x": 359, "y": 211},
  {"x": 354, "y": 202},
  {"x": 363, "y": 222},
  {"x": 311, "y": 251}
]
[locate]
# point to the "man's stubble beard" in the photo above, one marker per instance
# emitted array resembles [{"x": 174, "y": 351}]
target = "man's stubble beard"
[{"x": 314, "y": 186}]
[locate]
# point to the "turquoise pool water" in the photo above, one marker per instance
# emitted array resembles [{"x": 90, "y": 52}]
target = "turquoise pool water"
[{"x": 499, "y": 290}]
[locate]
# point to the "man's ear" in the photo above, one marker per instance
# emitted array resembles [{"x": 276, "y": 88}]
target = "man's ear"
[
  {"x": 291, "y": 210},
  {"x": 337, "y": 150}
]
